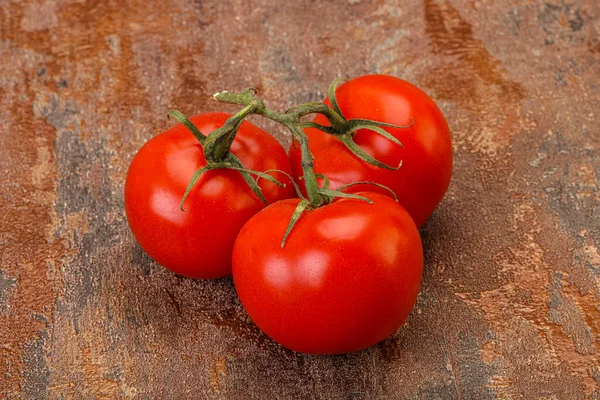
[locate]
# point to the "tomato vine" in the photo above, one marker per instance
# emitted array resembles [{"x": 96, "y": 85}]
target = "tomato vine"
[{"x": 216, "y": 145}]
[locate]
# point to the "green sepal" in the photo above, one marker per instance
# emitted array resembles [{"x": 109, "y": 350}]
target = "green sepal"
[
  {"x": 303, "y": 105},
  {"x": 363, "y": 155},
  {"x": 331, "y": 95},
  {"x": 337, "y": 193},
  {"x": 211, "y": 142},
  {"x": 296, "y": 187},
  {"x": 323, "y": 128},
  {"x": 247, "y": 177},
  {"x": 295, "y": 217},
  {"x": 193, "y": 181},
  {"x": 355, "y": 126},
  {"x": 379, "y": 123},
  {"x": 369, "y": 183},
  {"x": 326, "y": 183},
  {"x": 181, "y": 118},
  {"x": 258, "y": 174},
  {"x": 231, "y": 137}
]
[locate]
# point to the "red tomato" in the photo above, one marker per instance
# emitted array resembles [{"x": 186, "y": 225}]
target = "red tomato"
[
  {"x": 426, "y": 169},
  {"x": 198, "y": 242},
  {"x": 347, "y": 278}
]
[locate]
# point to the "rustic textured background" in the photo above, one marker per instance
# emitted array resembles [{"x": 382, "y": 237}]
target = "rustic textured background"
[{"x": 509, "y": 307}]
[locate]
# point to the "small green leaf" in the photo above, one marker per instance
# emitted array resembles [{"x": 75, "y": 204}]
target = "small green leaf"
[
  {"x": 303, "y": 105},
  {"x": 193, "y": 181},
  {"x": 370, "y": 183},
  {"x": 363, "y": 155},
  {"x": 233, "y": 133},
  {"x": 296, "y": 188},
  {"x": 248, "y": 178},
  {"x": 259, "y": 174},
  {"x": 295, "y": 217},
  {"x": 179, "y": 116},
  {"x": 337, "y": 193},
  {"x": 356, "y": 126},
  {"x": 326, "y": 183},
  {"x": 323, "y": 128},
  {"x": 331, "y": 95},
  {"x": 379, "y": 123}
]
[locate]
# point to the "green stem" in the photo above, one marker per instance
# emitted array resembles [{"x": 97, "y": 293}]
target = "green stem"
[
  {"x": 180, "y": 117},
  {"x": 291, "y": 120},
  {"x": 222, "y": 143},
  {"x": 337, "y": 121},
  {"x": 310, "y": 179}
]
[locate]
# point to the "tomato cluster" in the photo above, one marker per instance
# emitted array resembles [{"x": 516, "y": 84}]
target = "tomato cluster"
[{"x": 332, "y": 267}]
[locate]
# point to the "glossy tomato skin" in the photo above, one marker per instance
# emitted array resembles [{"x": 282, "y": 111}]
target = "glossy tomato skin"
[
  {"x": 198, "y": 242},
  {"x": 347, "y": 278},
  {"x": 423, "y": 179}
]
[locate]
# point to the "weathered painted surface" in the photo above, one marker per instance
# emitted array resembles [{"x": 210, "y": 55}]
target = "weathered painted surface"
[{"x": 510, "y": 304}]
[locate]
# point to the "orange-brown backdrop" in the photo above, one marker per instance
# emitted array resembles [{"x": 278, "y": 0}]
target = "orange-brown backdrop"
[{"x": 509, "y": 307}]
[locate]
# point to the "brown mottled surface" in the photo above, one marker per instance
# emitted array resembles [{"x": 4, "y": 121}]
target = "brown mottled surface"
[{"x": 510, "y": 303}]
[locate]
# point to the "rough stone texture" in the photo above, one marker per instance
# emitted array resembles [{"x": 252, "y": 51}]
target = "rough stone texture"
[{"x": 510, "y": 303}]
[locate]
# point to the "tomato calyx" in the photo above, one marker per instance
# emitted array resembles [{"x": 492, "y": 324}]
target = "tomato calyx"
[
  {"x": 329, "y": 195},
  {"x": 291, "y": 119},
  {"x": 216, "y": 152},
  {"x": 344, "y": 129}
]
